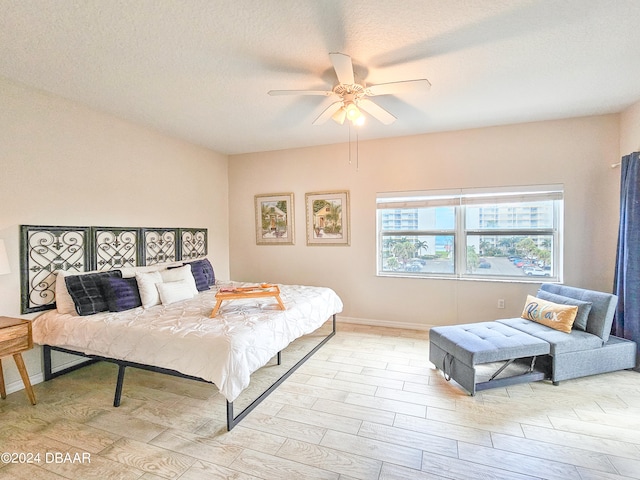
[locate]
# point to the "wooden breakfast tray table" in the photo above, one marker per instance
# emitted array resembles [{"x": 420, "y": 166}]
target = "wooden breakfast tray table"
[{"x": 238, "y": 293}]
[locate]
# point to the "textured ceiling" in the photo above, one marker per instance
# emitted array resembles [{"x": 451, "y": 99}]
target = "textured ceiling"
[{"x": 200, "y": 70}]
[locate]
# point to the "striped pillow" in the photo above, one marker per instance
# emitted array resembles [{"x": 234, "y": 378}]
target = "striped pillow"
[
  {"x": 203, "y": 273},
  {"x": 121, "y": 293}
]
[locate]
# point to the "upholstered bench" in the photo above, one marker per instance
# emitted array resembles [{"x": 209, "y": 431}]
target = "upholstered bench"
[{"x": 458, "y": 349}]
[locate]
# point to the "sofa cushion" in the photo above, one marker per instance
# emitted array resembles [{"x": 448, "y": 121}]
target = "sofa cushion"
[
  {"x": 551, "y": 314},
  {"x": 477, "y": 343},
  {"x": 580, "y": 323},
  {"x": 559, "y": 342},
  {"x": 603, "y": 307}
]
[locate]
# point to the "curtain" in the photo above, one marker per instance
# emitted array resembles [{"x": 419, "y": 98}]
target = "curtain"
[{"x": 626, "y": 323}]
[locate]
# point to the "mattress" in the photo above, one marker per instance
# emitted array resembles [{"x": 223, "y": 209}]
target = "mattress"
[{"x": 181, "y": 336}]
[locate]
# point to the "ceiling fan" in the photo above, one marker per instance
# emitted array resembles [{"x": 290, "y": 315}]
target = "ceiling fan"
[{"x": 351, "y": 97}]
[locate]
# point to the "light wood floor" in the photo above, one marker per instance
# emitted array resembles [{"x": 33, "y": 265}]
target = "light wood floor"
[{"x": 367, "y": 406}]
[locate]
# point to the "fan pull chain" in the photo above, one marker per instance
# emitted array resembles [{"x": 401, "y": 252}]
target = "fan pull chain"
[
  {"x": 349, "y": 127},
  {"x": 357, "y": 152},
  {"x": 357, "y": 148}
]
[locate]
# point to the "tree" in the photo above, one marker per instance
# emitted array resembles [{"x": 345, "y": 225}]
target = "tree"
[
  {"x": 544, "y": 256},
  {"x": 392, "y": 263},
  {"x": 527, "y": 247},
  {"x": 403, "y": 250},
  {"x": 472, "y": 258},
  {"x": 508, "y": 246},
  {"x": 421, "y": 245},
  {"x": 484, "y": 247}
]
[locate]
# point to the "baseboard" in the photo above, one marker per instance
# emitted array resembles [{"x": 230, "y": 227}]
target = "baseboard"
[
  {"x": 384, "y": 323},
  {"x": 39, "y": 377}
]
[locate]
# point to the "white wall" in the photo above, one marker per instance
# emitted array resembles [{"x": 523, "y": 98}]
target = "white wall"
[
  {"x": 65, "y": 164},
  {"x": 575, "y": 152}
]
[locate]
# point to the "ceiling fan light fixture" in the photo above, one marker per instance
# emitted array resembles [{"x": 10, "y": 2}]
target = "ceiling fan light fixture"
[
  {"x": 339, "y": 116},
  {"x": 353, "y": 113}
]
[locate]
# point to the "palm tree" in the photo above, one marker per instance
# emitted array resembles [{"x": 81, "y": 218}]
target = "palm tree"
[
  {"x": 507, "y": 246},
  {"x": 333, "y": 217},
  {"x": 484, "y": 246},
  {"x": 421, "y": 245}
]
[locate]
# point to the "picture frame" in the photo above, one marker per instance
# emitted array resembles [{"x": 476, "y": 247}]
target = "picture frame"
[
  {"x": 328, "y": 218},
  {"x": 274, "y": 219}
]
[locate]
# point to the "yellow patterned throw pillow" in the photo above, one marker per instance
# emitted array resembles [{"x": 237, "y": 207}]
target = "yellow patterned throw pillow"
[{"x": 551, "y": 314}]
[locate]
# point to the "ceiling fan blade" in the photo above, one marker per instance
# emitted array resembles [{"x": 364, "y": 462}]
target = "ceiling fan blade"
[
  {"x": 325, "y": 93},
  {"x": 376, "y": 111},
  {"x": 392, "y": 88},
  {"x": 343, "y": 67},
  {"x": 328, "y": 113}
]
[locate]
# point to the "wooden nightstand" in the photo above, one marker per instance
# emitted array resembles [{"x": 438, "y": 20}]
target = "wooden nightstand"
[{"x": 15, "y": 338}]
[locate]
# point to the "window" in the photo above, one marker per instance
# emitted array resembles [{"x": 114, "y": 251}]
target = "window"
[{"x": 507, "y": 233}]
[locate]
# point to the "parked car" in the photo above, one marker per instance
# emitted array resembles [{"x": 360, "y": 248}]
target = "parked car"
[
  {"x": 413, "y": 268},
  {"x": 536, "y": 272},
  {"x": 484, "y": 264}
]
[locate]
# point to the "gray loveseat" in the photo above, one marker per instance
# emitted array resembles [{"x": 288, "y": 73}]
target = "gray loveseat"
[{"x": 549, "y": 354}]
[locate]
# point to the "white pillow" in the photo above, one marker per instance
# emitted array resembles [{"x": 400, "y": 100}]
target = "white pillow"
[
  {"x": 147, "y": 288},
  {"x": 129, "y": 272},
  {"x": 171, "y": 292},
  {"x": 180, "y": 274}
]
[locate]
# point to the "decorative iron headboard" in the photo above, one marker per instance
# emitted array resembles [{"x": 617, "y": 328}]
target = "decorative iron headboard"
[{"x": 44, "y": 250}]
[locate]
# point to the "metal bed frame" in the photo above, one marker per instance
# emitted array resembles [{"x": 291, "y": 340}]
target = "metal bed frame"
[{"x": 232, "y": 420}]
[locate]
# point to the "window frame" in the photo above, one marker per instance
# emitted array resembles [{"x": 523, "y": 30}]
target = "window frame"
[{"x": 461, "y": 200}]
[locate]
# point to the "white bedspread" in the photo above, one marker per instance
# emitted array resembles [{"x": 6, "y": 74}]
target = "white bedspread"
[{"x": 181, "y": 336}]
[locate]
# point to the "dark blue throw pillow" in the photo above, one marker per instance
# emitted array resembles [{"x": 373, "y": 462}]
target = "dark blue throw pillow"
[
  {"x": 121, "y": 293},
  {"x": 87, "y": 292},
  {"x": 203, "y": 274}
]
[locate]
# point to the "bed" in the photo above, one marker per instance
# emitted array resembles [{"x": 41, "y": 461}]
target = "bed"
[{"x": 176, "y": 335}]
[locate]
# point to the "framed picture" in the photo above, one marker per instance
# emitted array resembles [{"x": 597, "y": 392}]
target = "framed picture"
[
  {"x": 274, "y": 219},
  {"x": 328, "y": 218}
]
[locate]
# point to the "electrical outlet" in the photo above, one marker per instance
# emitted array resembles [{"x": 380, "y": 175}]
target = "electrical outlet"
[{"x": 500, "y": 303}]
